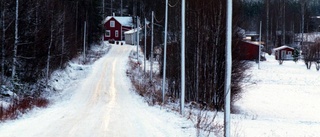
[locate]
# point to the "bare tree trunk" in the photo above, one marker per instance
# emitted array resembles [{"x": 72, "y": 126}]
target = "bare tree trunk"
[
  {"x": 103, "y": 7},
  {"x": 284, "y": 23},
  {"x": 16, "y": 41},
  {"x": 302, "y": 20},
  {"x": 267, "y": 26},
  {"x": 293, "y": 38},
  {"x": 276, "y": 35},
  {"x": 37, "y": 21},
  {"x": 63, "y": 35},
  {"x": 111, "y": 8},
  {"x": 49, "y": 49},
  {"x": 76, "y": 40},
  {"x": 151, "y": 58},
  {"x": 197, "y": 61},
  {"x": 3, "y": 42},
  {"x": 36, "y": 31}
]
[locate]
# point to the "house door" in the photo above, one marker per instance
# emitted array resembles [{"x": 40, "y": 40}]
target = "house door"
[
  {"x": 289, "y": 55},
  {"x": 283, "y": 54}
]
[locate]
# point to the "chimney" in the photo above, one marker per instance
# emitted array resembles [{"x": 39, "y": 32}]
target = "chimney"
[{"x": 113, "y": 14}]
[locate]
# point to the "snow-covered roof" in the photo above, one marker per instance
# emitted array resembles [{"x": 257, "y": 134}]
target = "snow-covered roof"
[
  {"x": 132, "y": 31},
  {"x": 257, "y": 43},
  {"x": 282, "y": 47},
  {"x": 251, "y": 33},
  {"x": 124, "y": 21}
]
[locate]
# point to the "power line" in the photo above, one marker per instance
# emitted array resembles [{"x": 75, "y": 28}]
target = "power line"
[
  {"x": 172, "y": 6},
  {"x": 155, "y": 18}
]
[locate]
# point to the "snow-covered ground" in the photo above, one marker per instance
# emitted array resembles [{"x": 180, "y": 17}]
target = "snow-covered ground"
[
  {"x": 279, "y": 101},
  {"x": 100, "y": 105}
]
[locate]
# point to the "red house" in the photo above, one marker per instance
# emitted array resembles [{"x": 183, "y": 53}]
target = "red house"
[
  {"x": 283, "y": 53},
  {"x": 249, "y": 50},
  {"x": 115, "y": 27}
]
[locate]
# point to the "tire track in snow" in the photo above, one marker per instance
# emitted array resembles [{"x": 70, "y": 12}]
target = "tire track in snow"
[
  {"x": 102, "y": 105},
  {"x": 112, "y": 95}
]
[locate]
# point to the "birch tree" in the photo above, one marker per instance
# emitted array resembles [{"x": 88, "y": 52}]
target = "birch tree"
[
  {"x": 50, "y": 43},
  {"x": 16, "y": 41},
  {"x": 3, "y": 38},
  {"x": 63, "y": 34}
]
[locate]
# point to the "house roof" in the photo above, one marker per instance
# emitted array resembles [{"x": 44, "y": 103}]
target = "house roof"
[
  {"x": 124, "y": 21},
  {"x": 283, "y": 47},
  {"x": 257, "y": 43},
  {"x": 132, "y": 31}
]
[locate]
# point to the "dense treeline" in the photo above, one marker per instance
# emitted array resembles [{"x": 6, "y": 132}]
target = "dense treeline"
[
  {"x": 39, "y": 36},
  {"x": 281, "y": 19},
  {"x": 205, "y": 50},
  {"x": 205, "y": 40}
]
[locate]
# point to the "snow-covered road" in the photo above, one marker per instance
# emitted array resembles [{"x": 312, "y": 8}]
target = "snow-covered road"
[{"x": 101, "y": 105}]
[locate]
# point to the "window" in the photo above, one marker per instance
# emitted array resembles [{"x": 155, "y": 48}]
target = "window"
[
  {"x": 107, "y": 34},
  {"x": 112, "y": 23},
  {"x": 117, "y": 33}
]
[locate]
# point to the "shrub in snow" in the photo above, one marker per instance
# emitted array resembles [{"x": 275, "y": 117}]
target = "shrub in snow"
[
  {"x": 311, "y": 54},
  {"x": 149, "y": 89},
  {"x": 21, "y": 106}
]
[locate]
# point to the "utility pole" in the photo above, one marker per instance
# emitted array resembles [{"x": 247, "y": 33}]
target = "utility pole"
[
  {"x": 84, "y": 41},
  {"x": 259, "y": 58},
  {"x": 183, "y": 23},
  {"x": 165, "y": 52},
  {"x": 267, "y": 26},
  {"x": 227, "y": 86},
  {"x": 151, "y": 69},
  {"x": 137, "y": 39},
  {"x": 132, "y": 41}
]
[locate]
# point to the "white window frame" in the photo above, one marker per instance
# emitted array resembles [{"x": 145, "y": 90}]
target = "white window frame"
[
  {"x": 107, "y": 33},
  {"x": 117, "y": 34},
  {"x": 112, "y": 24}
]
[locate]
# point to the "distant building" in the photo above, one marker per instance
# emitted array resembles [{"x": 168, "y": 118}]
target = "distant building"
[
  {"x": 308, "y": 38},
  {"x": 249, "y": 50},
  {"x": 283, "y": 53},
  {"x": 115, "y": 26},
  {"x": 131, "y": 36}
]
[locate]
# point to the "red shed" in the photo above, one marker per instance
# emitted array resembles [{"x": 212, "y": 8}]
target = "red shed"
[
  {"x": 249, "y": 50},
  {"x": 283, "y": 53},
  {"x": 115, "y": 26}
]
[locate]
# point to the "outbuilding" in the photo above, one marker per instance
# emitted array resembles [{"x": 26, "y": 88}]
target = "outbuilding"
[
  {"x": 249, "y": 50},
  {"x": 131, "y": 36},
  {"x": 283, "y": 53}
]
